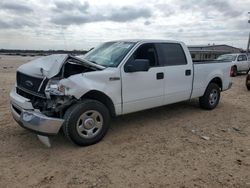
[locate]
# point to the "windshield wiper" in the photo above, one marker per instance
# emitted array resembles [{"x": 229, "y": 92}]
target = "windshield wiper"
[
  {"x": 93, "y": 62},
  {"x": 97, "y": 63}
]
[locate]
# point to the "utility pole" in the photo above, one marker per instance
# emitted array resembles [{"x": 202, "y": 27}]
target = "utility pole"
[{"x": 248, "y": 44}]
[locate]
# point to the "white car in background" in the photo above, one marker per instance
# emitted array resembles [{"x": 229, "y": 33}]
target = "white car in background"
[{"x": 241, "y": 63}]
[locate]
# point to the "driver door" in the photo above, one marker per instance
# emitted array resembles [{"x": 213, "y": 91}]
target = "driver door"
[{"x": 143, "y": 90}]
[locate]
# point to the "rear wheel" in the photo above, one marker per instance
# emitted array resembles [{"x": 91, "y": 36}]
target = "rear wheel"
[
  {"x": 211, "y": 97},
  {"x": 86, "y": 123},
  {"x": 234, "y": 71}
]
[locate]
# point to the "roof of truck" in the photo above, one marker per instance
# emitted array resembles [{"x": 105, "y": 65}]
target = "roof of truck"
[
  {"x": 147, "y": 40},
  {"x": 236, "y": 54}
]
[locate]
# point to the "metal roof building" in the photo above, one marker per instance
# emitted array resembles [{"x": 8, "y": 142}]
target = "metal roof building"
[{"x": 210, "y": 52}]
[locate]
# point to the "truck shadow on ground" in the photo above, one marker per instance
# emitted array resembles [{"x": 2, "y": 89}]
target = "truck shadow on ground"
[
  {"x": 122, "y": 123},
  {"x": 163, "y": 112}
]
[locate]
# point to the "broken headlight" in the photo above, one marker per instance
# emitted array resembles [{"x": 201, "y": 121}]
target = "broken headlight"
[{"x": 55, "y": 88}]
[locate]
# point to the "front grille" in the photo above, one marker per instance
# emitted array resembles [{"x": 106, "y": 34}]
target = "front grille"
[
  {"x": 29, "y": 94},
  {"x": 31, "y": 84}
]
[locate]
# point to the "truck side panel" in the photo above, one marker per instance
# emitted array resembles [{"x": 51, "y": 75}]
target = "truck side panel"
[{"x": 205, "y": 72}]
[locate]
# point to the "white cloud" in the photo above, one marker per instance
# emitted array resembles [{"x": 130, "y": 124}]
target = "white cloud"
[{"x": 79, "y": 24}]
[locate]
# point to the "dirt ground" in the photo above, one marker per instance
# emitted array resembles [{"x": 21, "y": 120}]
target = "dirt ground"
[{"x": 162, "y": 147}]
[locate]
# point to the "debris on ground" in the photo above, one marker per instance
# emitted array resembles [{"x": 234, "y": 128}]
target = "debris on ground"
[
  {"x": 236, "y": 128},
  {"x": 239, "y": 162},
  {"x": 223, "y": 130},
  {"x": 205, "y": 137}
]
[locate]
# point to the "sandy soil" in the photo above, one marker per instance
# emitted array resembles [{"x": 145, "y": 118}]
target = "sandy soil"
[{"x": 162, "y": 147}]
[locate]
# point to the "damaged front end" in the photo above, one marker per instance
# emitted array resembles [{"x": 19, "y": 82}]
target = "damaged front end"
[{"x": 39, "y": 100}]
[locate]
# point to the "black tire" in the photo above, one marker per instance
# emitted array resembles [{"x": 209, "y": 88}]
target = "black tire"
[
  {"x": 234, "y": 71},
  {"x": 73, "y": 116},
  {"x": 247, "y": 79},
  {"x": 212, "y": 91}
]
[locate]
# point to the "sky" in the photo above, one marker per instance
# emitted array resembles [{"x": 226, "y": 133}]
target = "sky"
[{"x": 82, "y": 24}]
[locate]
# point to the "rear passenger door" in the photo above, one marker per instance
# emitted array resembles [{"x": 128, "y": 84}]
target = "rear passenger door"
[{"x": 178, "y": 72}]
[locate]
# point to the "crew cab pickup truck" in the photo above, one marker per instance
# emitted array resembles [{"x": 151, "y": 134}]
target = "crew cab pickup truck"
[
  {"x": 80, "y": 94},
  {"x": 240, "y": 62}
]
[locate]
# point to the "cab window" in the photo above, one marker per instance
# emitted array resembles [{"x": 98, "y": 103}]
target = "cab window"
[
  {"x": 146, "y": 51},
  {"x": 242, "y": 58}
]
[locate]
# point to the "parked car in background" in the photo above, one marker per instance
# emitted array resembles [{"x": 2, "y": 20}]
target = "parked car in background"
[
  {"x": 248, "y": 80},
  {"x": 241, "y": 63}
]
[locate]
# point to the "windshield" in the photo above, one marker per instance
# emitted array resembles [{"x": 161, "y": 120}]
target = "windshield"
[
  {"x": 109, "y": 54},
  {"x": 227, "y": 57}
]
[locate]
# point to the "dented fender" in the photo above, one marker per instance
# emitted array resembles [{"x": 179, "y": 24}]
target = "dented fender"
[{"x": 103, "y": 81}]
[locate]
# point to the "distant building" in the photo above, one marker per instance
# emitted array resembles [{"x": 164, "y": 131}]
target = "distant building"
[{"x": 210, "y": 52}]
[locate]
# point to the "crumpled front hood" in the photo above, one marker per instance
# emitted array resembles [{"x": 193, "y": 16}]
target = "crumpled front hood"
[{"x": 48, "y": 66}]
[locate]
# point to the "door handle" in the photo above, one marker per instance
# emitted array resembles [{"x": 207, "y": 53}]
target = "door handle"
[
  {"x": 159, "y": 75},
  {"x": 188, "y": 72}
]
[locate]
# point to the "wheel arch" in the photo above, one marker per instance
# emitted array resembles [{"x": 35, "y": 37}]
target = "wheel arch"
[
  {"x": 234, "y": 65},
  {"x": 101, "y": 97},
  {"x": 218, "y": 81}
]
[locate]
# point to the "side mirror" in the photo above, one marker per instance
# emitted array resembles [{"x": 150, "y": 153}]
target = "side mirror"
[{"x": 138, "y": 65}]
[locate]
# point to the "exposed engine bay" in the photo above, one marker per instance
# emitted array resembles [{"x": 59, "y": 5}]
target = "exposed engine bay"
[
  {"x": 48, "y": 95},
  {"x": 54, "y": 107},
  {"x": 73, "y": 66}
]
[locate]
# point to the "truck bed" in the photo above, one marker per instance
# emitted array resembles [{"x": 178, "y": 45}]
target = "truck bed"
[
  {"x": 210, "y": 61},
  {"x": 204, "y": 71}
]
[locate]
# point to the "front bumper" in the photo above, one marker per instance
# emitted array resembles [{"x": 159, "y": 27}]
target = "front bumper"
[{"x": 32, "y": 119}]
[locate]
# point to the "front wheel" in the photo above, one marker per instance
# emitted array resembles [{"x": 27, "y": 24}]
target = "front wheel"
[
  {"x": 86, "y": 123},
  {"x": 211, "y": 97}
]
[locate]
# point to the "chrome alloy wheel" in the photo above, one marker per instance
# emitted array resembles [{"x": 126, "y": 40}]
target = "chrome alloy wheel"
[
  {"x": 89, "y": 124},
  {"x": 213, "y": 97}
]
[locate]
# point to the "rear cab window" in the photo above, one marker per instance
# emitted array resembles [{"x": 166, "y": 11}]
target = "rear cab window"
[{"x": 171, "y": 54}]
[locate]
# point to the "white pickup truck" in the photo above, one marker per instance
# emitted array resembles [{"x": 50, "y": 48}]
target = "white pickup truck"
[
  {"x": 240, "y": 62},
  {"x": 80, "y": 94}
]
